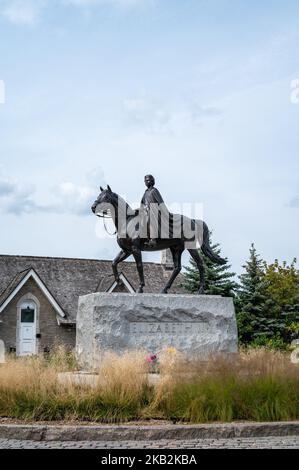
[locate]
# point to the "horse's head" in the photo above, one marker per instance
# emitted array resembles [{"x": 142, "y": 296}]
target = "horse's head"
[{"x": 102, "y": 205}]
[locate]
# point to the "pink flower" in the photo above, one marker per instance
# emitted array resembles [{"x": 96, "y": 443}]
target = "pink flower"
[{"x": 151, "y": 358}]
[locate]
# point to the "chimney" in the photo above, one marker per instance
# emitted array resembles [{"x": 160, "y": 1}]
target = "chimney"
[{"x": 167, "y": 259}]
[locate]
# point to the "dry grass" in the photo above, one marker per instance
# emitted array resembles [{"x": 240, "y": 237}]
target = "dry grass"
[
  {"x": 29, "y": 389},
  {"x": 258, "y": 385},
  {"x": 127, "y": 373}
]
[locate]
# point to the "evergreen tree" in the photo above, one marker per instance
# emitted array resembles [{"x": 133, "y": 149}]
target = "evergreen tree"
[
  {"x": 218, "y": 279},
  {"x": 268, "y": 303},
  {"x": 251, "y": 303}
]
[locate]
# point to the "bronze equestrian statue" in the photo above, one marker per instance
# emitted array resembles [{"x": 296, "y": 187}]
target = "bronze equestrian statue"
[{"x": 154, "y": 230}]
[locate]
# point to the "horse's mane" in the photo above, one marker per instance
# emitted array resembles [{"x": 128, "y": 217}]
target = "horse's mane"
[{"x": 121, "y": 200}]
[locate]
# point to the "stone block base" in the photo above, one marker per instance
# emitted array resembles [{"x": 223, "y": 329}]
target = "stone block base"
[{"x": 197, "y": 325}]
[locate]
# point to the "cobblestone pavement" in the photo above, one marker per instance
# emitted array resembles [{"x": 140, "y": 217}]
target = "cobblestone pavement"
[{"x": 236, "y": 443}]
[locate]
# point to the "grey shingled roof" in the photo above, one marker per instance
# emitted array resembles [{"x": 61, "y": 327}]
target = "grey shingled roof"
[
  {"x": 13, "y": 284},
  {"x": 68, "y": 278}
]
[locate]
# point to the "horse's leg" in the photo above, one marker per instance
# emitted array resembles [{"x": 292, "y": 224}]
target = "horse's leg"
[
  {"x": 138, "y": 260},
  {"x": 196, "y": 256},
  {"x": 177, "y": 255},
  {"x": 122, "y": 255}
]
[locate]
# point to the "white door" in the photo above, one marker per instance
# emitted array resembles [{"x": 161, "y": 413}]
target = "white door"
[{"x": 28, "y": 329}]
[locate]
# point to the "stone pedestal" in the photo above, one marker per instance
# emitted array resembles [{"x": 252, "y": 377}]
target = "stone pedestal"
[{"x": 196, "y": 325}]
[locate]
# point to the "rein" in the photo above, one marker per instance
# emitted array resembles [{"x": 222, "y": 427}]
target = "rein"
[
  {"x": 107, "y": 231},
  {"x": 104, "y": 217}
]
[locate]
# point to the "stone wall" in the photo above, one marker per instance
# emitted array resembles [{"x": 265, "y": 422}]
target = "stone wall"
[{"x": 51, "y": 333}]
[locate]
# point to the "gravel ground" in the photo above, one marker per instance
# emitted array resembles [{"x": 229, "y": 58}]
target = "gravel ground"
[{"x": 236, "y": 443}]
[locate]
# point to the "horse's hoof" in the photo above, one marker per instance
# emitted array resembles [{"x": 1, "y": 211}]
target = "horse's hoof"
[
  {"x": 140, "y": 290},
  {"x": 163, "y": 291}
]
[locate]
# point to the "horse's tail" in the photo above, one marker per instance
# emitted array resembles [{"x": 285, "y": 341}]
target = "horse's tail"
[{"x": 206, "y": 247}]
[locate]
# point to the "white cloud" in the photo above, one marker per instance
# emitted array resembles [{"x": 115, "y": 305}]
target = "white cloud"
[
  {"x": 23, "y": 12},
  {"x": 69, "y": 198},
  {"x": 200, "y": 113},
  {"x": 6, "y": 187},
  {"x": 16, "y": 197},
  {"x": 77, "y": 198},
  {"x": 158, "y": 118},
  {"x": 153, "y": 117},
  {"x": 74, "y": 199}
]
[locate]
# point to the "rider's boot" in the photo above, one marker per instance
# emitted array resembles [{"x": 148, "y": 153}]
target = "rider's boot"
[{"x": 152, "y": 242}]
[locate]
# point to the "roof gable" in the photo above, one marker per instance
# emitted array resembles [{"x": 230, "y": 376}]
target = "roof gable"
[
  {"x": 125, "y": 282},
  {"x": 19, "y": 281},
  {"x": 12, "y": 284}
]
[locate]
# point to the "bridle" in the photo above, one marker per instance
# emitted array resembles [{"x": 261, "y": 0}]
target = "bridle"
[{"x": 106, "y": 214}]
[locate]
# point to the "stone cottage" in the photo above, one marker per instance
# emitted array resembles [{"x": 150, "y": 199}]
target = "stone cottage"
[{"x": 39, "y": 296}]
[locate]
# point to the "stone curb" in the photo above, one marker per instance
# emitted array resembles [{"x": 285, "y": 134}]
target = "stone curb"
[{"x": 147, "y": 433}]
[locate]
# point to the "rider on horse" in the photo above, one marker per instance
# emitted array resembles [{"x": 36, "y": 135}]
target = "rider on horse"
[{"x": 151, "y": 205}]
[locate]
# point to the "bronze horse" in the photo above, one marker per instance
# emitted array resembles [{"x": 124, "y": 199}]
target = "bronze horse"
[{"x": 108, "y": 203}]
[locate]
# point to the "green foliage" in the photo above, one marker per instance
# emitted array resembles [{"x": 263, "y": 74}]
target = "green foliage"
[
  {"x": 275, "y": 342},
  {"x": 293, "y": 328},
  {"x": 95, "y": 406},
  {"x": 282, "y": 283},
  {"x": 226, "y": 399},
  {"x": 218, "y": 279},
  {"x": 268, "y": 303}
]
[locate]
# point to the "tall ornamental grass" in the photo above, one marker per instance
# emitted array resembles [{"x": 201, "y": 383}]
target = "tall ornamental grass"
[
  {"x": 254, "y": 385},
  {"x": 30, "y": 389}
]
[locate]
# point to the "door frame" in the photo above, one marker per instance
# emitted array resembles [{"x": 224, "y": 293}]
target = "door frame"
[{"x": 27, "y": 298}]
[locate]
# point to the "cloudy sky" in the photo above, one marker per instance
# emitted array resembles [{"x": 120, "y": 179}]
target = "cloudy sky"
[{"x": 201, "y": 93}]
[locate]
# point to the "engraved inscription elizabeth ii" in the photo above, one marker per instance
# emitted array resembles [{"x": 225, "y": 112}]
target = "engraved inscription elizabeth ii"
[{"x": 166, "y": 328}]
